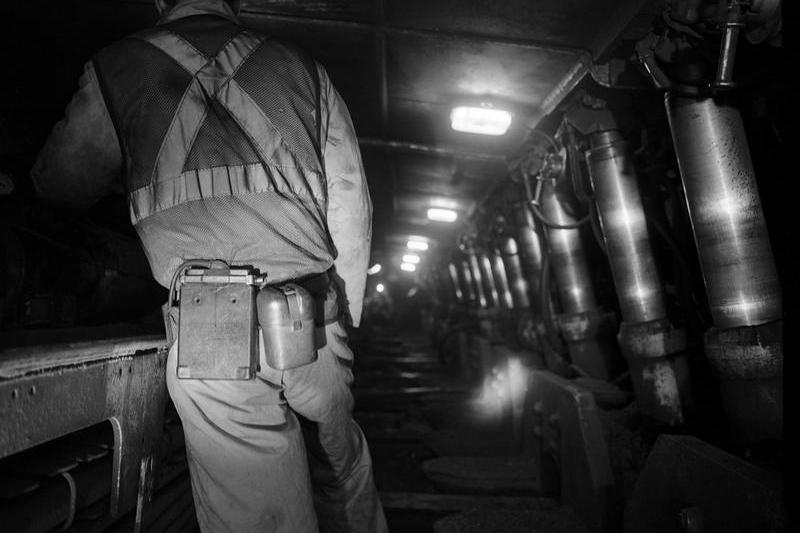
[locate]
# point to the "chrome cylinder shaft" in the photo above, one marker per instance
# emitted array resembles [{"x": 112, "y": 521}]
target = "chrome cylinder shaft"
[
  {"x": 452, "y": 272},
  {"x": 517, "y": 284},
  {"x": 477, "y": 280},
  {"x": 725, "y": 211},
  {"x": 501, "y": 280},
  {"x": 530, "y": 249},
  {"x": 489, "y": 287},
  {"x": 622, "y": 218},
  {"x": 575, "y": 290}
]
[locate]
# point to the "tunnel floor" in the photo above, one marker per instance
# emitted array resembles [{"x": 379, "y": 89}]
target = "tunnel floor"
[{"x": 445, "y": 459}]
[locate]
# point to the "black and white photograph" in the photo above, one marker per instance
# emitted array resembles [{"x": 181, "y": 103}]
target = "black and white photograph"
[{"x": 407, "y": 266}]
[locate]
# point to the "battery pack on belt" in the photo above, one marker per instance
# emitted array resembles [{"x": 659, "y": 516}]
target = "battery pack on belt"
[
  {"x": 220, "y": 312},
  {"x": 217, "y": 325}
]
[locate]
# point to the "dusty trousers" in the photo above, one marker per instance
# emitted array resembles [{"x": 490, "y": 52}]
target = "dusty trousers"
[{"x": 280, "y": 453}]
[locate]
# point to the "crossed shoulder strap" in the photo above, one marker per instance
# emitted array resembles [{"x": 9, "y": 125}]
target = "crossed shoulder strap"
[{"x": 211, "y": 78}]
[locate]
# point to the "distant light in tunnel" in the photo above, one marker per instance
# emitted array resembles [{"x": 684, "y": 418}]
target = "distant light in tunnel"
[
  {"x": 411, "y": 258},
  {"x": 442, "y": 215},
  {"x": 408, "y": 267},
  {"x": 481, "y": 120},
  {"x": 415, "y": 244},
  {"x": 374, "y": 269},
  {"x": 380, "y": 287}
]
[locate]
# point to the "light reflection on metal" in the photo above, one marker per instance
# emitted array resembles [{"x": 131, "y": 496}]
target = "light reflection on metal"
[
  {"x": 374, "y": 269},
  {"x": 622, "y": 218},
  {"x": 575, "y": 289},
  {"x": 408, "y": 267},
  {"x": 411, "y": 258},
  {"x": 380, "y": 287},
  {"x": 725, "y": 211}
]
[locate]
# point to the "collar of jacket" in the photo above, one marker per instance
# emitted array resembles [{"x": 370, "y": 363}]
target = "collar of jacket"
[{"x": 188, "y": 8}]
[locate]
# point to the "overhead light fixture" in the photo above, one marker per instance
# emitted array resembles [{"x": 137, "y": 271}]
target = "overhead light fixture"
[
  {"x": 408, "y": 267},
  {"x": 380, "y": 287},
  {"x": 374, "y": 269},
  {"x": 480, "y": 120},
  {"x": 416, "y": 244},
  {"x": 411, "y": 258},
  {"x": 442, "y": 215}
]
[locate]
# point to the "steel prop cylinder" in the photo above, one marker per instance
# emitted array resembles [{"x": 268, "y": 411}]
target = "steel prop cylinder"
[
  {"x": 622, "y": 218},
  {"x": 530, "y": 249},
  {"x": 725, "y": 210},
  {"x": 489, "y": 287},
  {"x": 575, "y": 289},
  {"x": 477, "y": 279},
  {"x": 467, "y": 283},
  {"x": 517, "y": 283},
  {"x": 501, "y": 280},
  {"x": 452, "y": 272}
]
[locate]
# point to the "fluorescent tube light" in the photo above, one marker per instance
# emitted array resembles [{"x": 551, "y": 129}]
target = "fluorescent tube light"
[
  {"x": 481, "y": 120},
  {"x": 442, "y": 215}
]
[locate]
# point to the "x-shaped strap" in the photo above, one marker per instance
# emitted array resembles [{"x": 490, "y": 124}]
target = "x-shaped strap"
[{"x": 211, "y": 78}]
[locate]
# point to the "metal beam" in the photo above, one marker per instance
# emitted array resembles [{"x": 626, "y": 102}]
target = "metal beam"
[
  {"x": 428, "y": 149},
  {"x": 469, "y": 37}
]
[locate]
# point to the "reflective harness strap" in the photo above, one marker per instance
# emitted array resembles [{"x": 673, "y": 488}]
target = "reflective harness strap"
[{"x": 211, "y": 78}]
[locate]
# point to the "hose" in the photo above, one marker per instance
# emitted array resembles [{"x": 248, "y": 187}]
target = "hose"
[{"x": 597, "y": 231}]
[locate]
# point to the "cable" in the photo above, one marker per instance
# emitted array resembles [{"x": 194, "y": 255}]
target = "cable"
[{"x": 596, "y": 229}]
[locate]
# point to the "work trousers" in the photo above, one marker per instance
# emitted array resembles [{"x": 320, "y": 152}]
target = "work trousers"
[{"x": 280, "y": 453}]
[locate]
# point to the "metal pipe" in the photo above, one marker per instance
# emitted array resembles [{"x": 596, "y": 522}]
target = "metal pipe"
[
  {"x": 444, "y": 151},
  {"x": 725, "y": 210},
  {"x": 622, "y": 218},
  {"x": 467, "y": 284},
  {"x": 530, "y": 249},
  {"x": 477, "y": 279},
  {"x": 506, "y": 300},
  {"x": 575, "y": 290},
  {"x": 452, "y": 271},
  {"x": 727, "y": 50},
  {"x": 489, "y": 286},
  {"x": 517, "y": 283}
]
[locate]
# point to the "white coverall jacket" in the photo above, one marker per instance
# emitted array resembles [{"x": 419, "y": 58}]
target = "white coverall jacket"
[{"x": 234, "y": 147}]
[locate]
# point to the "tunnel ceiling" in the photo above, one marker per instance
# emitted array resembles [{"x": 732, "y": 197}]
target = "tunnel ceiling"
[{"x": 401, "y": 65}]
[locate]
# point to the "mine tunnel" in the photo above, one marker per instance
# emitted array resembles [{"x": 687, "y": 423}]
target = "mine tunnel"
[{"x": 573, "y": 256}]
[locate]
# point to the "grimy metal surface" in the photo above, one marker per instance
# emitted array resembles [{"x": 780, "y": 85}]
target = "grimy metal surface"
[
  {"x": 566, "y": 428},
  {"x": 575, "y": 290},
  {"x": 44, "y": 400},
  {"x": 688, "y": 485},
  {"x": 725, "y": 210},
  {"x": 622, "y": 217}
]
